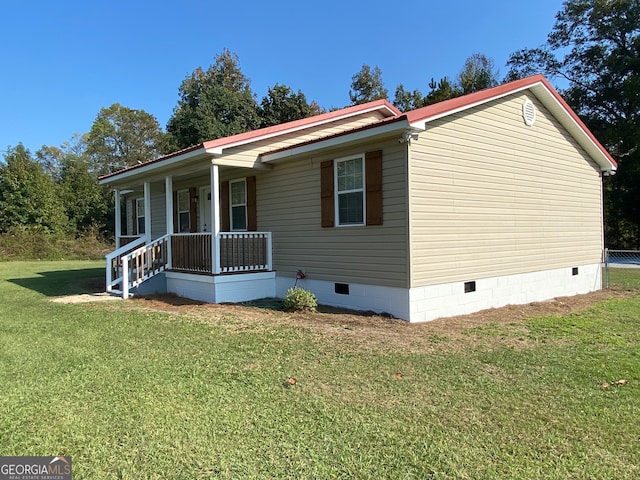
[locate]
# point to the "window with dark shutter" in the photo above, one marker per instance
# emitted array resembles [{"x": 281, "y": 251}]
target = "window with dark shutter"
[
  {"x": 252, "y": 214},
  {"x": 351, "y": 190},
  {"x": 373, "y": 162},
  {"x": 326, "y": 193}
]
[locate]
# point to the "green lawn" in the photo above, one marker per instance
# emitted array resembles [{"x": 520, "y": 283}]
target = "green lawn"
[{"x": 137, "y": 394}]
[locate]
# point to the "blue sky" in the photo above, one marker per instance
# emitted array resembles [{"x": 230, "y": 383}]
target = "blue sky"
[{"x": 64, "y": 60}]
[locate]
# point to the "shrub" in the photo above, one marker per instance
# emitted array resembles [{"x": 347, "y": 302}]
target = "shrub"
[{"x": 300, "y": 300}]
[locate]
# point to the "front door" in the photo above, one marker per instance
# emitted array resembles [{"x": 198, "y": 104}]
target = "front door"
[{"x": 205, "y": 210}]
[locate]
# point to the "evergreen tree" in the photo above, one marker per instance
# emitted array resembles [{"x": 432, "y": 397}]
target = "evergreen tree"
[
  {"x": 213, "y": 103},
  {"x": 282, "y": 105}
]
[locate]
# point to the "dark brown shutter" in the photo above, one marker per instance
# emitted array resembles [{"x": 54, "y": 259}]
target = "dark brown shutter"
[
  {"x": 252, "y": 214},
  {"x": 193, "y": 210},
  {"x": 135, "y": 217},
  {"x": 373, "y": 167},
  {"x": 176, "y": 224},
  {"x": 225, "y": 220},
  {"x": 326, "y": 194}
]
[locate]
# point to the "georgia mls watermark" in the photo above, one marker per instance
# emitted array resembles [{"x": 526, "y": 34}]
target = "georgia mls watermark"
[{"x": 35, "y": 468}]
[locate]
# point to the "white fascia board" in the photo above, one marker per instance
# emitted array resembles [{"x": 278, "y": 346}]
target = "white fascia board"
[
  {"x": 151, "y": 167},
  {"x": 566, "y": 119},
  {"x": 576, "y": 130},
  {"x": 335, "y": 141},
  {"x": 422, "y": 124}
]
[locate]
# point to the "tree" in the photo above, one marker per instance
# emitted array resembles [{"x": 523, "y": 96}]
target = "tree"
[
  {"x": 87, "y": 205},
  {"x": 405, "y": 100},
  {"x": 479, "y": 72},
  {"x": 213, "y": 104},
  {"x": 121, "y": 137},
  {"x": 594, "y": 46},
  {"x": 29, "y": 198},
  {"x": 366, "y": 86},
  {"x": 441, "y": 91},
  {"x": 282, "y": 105}
]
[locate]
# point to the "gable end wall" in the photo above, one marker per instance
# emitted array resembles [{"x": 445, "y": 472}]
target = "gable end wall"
[{"x": 491, "y": 196}]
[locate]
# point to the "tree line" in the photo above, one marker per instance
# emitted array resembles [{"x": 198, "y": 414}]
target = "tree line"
[{"x": 593, "y": 47}]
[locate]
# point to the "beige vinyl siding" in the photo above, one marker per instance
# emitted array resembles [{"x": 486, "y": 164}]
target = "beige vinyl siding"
[
  {"x": 158, "y": 215},
  {"x": 247, "y": 155},
  {"x": 490, "y": 196},
  {"x": 288, "y": 204}
]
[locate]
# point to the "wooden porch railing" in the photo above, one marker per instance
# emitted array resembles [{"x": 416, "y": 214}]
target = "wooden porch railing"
[
  {"x": 126, "y": 239},
  {"x": 133, "y": 263},
  {"x": 191, "y": 252},
  {"x": 245, "y": 251}
]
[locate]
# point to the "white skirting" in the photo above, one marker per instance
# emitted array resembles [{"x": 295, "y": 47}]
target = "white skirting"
[
  {"x": 222, "y": 288},
  {"x": 420, "y": 304}
]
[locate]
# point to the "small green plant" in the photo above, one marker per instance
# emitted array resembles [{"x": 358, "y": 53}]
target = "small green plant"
[{"x": 300, "y": 300}]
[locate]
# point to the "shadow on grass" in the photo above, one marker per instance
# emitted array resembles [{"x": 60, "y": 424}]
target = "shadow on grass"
[{"x": 64, "y": 282}]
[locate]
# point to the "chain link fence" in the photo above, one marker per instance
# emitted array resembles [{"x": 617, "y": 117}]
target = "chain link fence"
[{"x": 621, "y": 268}]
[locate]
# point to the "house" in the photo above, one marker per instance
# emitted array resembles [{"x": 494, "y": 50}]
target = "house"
[{"x": 489, "y": 199}]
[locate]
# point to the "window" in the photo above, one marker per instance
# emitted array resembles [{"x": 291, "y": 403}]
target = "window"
[
  {"x": 350, "y": 197},
  {"x": 351, "y": 190},
  {"x": 238, "y": 204},
  {"x": 140, "y": 215},
  {"x": 184, "y": 225}
]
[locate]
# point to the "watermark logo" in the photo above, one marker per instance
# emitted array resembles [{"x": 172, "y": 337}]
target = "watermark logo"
[{"x": 35, "y": 468}]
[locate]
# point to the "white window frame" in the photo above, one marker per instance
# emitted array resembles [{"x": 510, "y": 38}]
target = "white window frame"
[
  {"x": 244, "y": 204},
  {"x": 363, "y": 189},
  {"x": 187, "y": 211},
  {"x": 140, "y": 215}
]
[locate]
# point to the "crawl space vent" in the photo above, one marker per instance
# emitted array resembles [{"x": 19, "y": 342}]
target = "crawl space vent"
[{"x": 529, "y": 112}]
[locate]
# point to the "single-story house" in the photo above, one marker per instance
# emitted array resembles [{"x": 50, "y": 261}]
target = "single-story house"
[{"x": 485, "y": 200}]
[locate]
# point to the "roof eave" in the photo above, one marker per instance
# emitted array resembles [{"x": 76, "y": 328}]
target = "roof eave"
[
  {"x": 145, "y": 169},
  {"x": 335, "y": 140}
]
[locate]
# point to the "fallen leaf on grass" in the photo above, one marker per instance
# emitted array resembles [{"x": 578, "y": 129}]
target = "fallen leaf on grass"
[
  {"x": 604, "y": 385},
  {"x": 621, "y": 382},
  {"x": 292, "y": 381}
]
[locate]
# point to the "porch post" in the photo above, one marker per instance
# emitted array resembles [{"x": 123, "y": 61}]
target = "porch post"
[
  {"x": 215, "y": 218},
  {"x": 147, "y": 210},
  {"x": 168, "y": 202},
  {"x": 118, "y": 216}
]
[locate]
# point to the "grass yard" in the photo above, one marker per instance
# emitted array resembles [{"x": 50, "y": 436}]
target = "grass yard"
[{"x": 155, "y": 389}]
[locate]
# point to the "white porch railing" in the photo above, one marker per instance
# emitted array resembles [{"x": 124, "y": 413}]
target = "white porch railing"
[
  {"x": 114, "y": 262},
  {"x": 144, "y": 263},
  {"x": 136, "y": 262}
]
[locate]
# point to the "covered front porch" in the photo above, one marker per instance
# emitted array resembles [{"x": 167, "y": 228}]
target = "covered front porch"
[{"x": 193, "y": 231}]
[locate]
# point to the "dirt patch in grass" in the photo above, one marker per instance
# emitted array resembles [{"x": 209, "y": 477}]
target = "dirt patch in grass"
[{"x": 376, "y": 332}]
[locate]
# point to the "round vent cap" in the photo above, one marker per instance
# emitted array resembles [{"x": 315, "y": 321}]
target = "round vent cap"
[{"x": 529, "y": 112}]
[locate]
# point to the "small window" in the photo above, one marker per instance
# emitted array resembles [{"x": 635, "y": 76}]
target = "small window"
[
  {"x": 469, "y": 287},
  {"x": 349, "y": 182},
  {"x": 184, "y": 225},
  {"x": 238, "y": 204},
  {"x": 140, "y": 215}
]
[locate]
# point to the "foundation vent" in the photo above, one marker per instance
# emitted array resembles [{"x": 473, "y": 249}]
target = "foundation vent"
[{"x": 469, "y": 287}]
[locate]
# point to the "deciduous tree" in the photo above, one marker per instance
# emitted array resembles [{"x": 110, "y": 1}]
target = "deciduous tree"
[
  {"x": 121, "y": 137},
  {"x": 367, "y": 85},
  {"x": 29, "y": 198}
]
